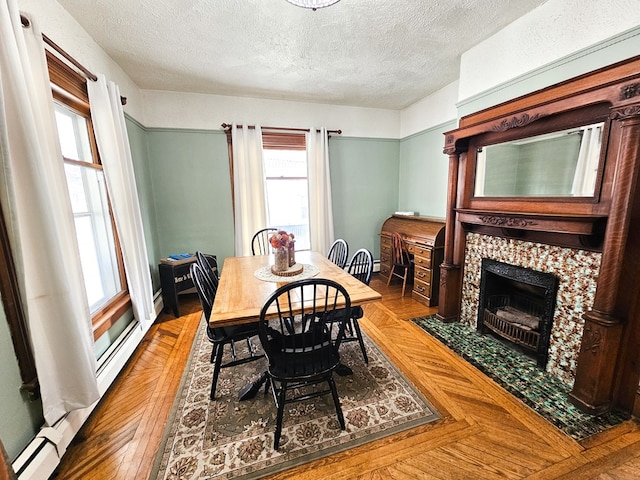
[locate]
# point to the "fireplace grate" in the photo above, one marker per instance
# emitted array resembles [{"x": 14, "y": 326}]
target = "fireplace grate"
[{"x": 514, "y": 329}]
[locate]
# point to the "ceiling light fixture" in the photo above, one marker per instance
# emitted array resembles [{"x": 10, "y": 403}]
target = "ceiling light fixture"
[{"x": 313, "y": 4}]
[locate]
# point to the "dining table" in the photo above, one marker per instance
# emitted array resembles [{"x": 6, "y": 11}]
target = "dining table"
[{"x": 247, "y": 282}]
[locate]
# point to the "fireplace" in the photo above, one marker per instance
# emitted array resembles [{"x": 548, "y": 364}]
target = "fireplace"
[
  {"x": 517, "y": 304},
  {"x": 594, "y": 238}
]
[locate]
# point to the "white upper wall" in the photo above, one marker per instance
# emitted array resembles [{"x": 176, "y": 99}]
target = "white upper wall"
[
  {"x": 436, "y": 109},
  {"x": 191, "y": 110},
  {"x": 552, "y": 31},
  {"x": 62, "y": 28}
]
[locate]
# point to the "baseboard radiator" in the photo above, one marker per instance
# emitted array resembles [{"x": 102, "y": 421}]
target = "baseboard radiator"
[{"x": 41, "y": 457}]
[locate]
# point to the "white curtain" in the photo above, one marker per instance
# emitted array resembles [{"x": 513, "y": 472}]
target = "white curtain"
[
  {"x": 584, "y": 179},
  {"x": 320, "y": 207},
  {"x": 113, "y": 144},
  {"x": 250, "y": 204},
  {"x": 37, "y": 206}
]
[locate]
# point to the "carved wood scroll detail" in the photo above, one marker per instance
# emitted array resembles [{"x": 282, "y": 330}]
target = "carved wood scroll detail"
[
  {"x": 505, "y": 221},
  {"x": 629, "y": 91},
  {"x": 591, "y": 339},
  {"x": 625, "y": 112},
  {"x": 515, "y": 122}
]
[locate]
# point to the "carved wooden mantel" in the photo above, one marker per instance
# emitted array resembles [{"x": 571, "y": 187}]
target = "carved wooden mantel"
[{"x": 608, "y": 372}]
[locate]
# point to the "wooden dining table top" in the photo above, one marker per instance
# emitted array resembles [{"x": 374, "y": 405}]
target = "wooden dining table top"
[{"x": 241, "y": 294}]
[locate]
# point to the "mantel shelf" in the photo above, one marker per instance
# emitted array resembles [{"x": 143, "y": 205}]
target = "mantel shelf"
[{"x": 551, "y": 223}]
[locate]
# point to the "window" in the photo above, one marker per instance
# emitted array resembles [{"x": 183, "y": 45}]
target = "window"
[
  {"x": 287, "y": 185},
  {"x": 100, "y": 255}
]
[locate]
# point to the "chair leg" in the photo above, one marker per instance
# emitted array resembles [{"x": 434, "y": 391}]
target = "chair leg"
[
  {"x": 336, "y": 401},
  {"x": 390, "y": 275},
  {"x": 404, "y": 280},
  {"x": 250, "y": 346},
  {"x": 216, "y": 369},
  {"x": 360, "y": 340},
  {"x": 278, "y": 431}
]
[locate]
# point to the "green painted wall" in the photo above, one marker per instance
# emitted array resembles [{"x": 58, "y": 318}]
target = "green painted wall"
[
  {"x": 189, "y": 172},
  {"x": 364, "y": 184},
  {"x": 142, "y": 168},
  {"x": 20, "y": 418},
  {"x": 423, "y": 172}
]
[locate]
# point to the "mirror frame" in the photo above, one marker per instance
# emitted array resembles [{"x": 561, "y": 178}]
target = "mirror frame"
[
  {"x": 538, "y": 155},
  {"x": 548, "y": 124}
]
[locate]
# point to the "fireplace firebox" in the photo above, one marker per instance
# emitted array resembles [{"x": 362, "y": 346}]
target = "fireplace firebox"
[{"x": 517, "y": 305}]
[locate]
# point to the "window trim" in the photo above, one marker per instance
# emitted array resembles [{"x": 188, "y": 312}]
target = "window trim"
[{"x": 15, "y": 315}]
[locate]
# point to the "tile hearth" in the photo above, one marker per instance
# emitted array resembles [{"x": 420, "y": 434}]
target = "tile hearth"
[{"x": 519, "y": 375}]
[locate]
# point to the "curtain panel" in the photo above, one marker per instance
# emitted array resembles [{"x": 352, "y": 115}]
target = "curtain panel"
[
  {"x": 320, "y": 204},
  {"x": 113, "y": 144},
  {"x": 250, "y": 200},
  {"x": 40, "y": 222}
]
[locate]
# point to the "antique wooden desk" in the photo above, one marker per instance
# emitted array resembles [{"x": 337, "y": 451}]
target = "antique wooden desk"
[
  {"x": 241, "y": 294},
  {"x": 424, "y": 239}
]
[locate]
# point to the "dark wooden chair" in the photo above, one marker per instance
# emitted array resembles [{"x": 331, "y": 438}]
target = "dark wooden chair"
[
  {"x": 260, "y": 242},
  {"x": 400, "y": 260},
  {"x": 221, "y": 336},
  {"x": 302, "y": 348},
  {"x": 339, "y": 252},
  {"x": 361, "y": 267},
  {"x": 210, "y": 267}
]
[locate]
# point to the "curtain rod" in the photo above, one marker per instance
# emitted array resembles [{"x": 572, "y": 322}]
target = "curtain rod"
[
  {"x": 228, "y": 125},
  {"x": 26, "y": 23}
]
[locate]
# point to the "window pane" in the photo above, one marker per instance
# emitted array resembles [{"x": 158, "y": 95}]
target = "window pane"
[
  {"x": 95, "y": 234},
  {"x": 73, "y": 134},
  {"x": 285, "y": 163},
  {"x": 288, "y": 193},
  {"x": 289, "y": 208}
]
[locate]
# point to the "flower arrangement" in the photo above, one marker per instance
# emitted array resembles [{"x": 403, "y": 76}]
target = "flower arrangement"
[{"x": 282, "y": 239}]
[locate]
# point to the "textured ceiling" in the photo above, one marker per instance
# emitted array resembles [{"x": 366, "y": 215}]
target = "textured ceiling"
[{"x": 370, "y": 53}]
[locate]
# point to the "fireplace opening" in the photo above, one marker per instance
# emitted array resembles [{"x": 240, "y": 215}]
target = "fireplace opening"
[{"x": 517, "y": 306}]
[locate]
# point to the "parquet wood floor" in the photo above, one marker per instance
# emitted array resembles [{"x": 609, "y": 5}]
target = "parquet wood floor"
[{"x": 485, "y": 432}]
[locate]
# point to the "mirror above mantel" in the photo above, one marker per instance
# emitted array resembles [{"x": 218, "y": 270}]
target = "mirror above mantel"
[{"x": 558, "y": 164}]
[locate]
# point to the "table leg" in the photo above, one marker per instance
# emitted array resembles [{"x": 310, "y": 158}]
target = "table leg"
[{"x": 251, "y": 389}]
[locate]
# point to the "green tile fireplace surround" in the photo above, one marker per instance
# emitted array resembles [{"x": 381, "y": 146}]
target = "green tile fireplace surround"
[{"x": 519, "y": 375}]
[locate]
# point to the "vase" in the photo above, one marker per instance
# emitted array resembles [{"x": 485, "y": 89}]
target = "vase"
[
  {"x": 282, "y": 259},
  {"x": 292, "y": 255}
]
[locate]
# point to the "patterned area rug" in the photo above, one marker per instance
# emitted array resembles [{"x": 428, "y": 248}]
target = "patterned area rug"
[
  {"x": 227, "y": 438},
  {"x": 520, "y": 376}
]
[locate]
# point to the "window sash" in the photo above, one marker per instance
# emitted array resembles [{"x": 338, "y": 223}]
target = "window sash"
[{"x": 287, "y": 189}]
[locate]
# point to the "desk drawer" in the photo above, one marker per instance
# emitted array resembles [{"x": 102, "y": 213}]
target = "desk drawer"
[
  {"x": 419, "y": 250},
  {"x": 425, "y": 300},
  {"x": 385, "y": 270},
  {"x": 423, "y": 274},
  {"x": 424, "y": 262},
  {"x": 421, "y": 287},
  {"x": 385, "y": 255}
]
